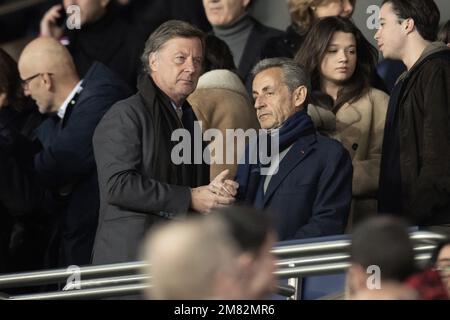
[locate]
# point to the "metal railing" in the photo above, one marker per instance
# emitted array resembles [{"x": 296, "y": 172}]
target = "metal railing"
[{"x": 294, "y": 261}]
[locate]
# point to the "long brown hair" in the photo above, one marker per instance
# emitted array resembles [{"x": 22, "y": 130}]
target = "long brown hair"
[
  {"x": 314, "y": 48},
  {"x": 10, "y": 82}
]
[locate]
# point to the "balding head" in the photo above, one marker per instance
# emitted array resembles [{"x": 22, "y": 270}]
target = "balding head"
[
  {"x": 191, "y": 260},
  {"x": 46, "y": 54},
  {"x": 50, "y": 71}
]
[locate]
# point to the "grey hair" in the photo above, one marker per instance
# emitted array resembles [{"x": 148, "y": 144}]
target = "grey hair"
[
  {"x": 167, "y": 31},
  {"x": 294, "y": 75}
]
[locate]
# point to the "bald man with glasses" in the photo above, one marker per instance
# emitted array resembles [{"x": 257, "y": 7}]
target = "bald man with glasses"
[{"x": 63, "y": 174}]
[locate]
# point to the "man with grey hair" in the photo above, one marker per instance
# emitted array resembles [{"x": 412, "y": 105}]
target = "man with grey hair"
[
  {"x": 307, "y": 186},
  {"x": 140, "y": 184}
]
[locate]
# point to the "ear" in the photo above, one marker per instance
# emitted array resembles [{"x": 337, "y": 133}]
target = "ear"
[
  {"x": 104, "y": 3},
  {"x": 299, "y": 96},
  {"x": 48, "y": 82},
  {"x": 153, "y": 61},
  {"x": 245, "y": 265},
  {"x": 356, "y": 280},
  {"x": 410, "y": 25},
  {"x": 3, "y": 99}
]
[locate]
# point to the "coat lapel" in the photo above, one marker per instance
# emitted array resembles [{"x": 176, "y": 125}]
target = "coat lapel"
[{"x": 299, "y": 151}]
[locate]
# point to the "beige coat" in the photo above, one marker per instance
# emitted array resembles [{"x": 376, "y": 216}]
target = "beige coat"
[
  {"x": 221, "y": 102},
  {"x": 360, "y": 128}
]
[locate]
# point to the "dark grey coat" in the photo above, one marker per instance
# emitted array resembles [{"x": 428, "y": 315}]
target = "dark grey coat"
[{"x": 139, "y": 185}]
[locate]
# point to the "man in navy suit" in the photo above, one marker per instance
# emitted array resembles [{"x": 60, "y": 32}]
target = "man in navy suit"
[
  {"x": 65, "y": 167},
  {"x": 307, "y": 186}
]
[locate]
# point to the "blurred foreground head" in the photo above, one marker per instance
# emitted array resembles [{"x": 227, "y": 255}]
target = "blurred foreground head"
[
  {"x": 225, "y": 255},
  {"x": 381, "y": 257}
]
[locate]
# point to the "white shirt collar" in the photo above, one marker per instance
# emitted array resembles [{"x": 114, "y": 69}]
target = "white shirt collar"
[{"x": 63, "y": 108}]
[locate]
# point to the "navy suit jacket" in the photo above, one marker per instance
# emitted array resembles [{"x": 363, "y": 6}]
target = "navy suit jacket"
[
  {"x": 66, "y": 164},
  {"x": 311, "y": 194}
]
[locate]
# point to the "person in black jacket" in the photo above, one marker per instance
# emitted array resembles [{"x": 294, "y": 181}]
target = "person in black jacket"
[
  {"x": 102, "y": 36},
  {"x": 415, "y": 163},
  {"x": 65, "y": 167},
  {"x": 20, "y": 246},
  {"x": 142, "y": 181},
  {"x": 243, "y": 34}
]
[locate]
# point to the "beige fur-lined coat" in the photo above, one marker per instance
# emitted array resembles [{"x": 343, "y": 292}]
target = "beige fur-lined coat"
[
  {"x": 221, "y": 102},
  {"x": 360, "y": 128}
]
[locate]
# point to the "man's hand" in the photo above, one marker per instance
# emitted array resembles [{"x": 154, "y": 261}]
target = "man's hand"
[
  {"x": 222, "y": 186},
  {"x": 49, "y": 28},
  {"x": 204, "y": 200}
]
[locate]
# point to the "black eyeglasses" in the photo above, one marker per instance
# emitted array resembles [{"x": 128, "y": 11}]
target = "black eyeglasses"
[{"x": 27, "y": 81}]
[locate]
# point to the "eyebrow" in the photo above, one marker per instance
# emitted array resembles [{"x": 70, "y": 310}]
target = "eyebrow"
[
  {"x": 336, "y": 45},
  {"x": 444, "y": 260},
  {"x": 265, "y": 89}
]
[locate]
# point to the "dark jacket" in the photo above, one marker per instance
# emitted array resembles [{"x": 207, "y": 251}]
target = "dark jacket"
[
  {"x": 111, "y": 41},
  {"x": 423, "y": 108},
  {"x": 139, "y": 183},
  {"x": 252, "y": 51},
  {"x": 285, "y": 45},
  {"x": 66, "y": 164},
  {"x": 21, "y": 241},
  {"x": 311, "y": 194}
]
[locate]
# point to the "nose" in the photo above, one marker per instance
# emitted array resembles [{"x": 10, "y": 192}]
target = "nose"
[
  {"x": 259, "y": 102},
  {"x": 342, "y": 55},
  {"x": 377, "y": 35},
  {"x": 190, "y": 65}
]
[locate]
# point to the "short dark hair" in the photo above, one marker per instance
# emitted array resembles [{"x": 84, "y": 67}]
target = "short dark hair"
[
  {"x": 425, "y": 14},
  {"x": 384, "y": 242},
  {"x": 444, "y": 33},
  {"x": 167, "y": 31},
  {"x": 10, "y": 82},
  {"x": 217, "y": 54},
  {"x": 247, "y": 226},
  {"x": 314, "y": 49}
]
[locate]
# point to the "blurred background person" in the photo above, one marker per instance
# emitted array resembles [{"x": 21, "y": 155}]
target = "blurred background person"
[
  {"x": 239, "y": 239},
  {"x": 64, "y": 166},
  {"x": 444, "y": 33},
  {"x": 243, "y": 34},
  {"x": 341, "y": 61},
  {"x": 21, "y": 233},
  {"x": 148, "y": 15},
  {"x": 221, "y": 102},
  {"x": 304, "y": 13},
  {"x": 104, "y": 36},
  {"x": 440, "y": 259}
]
